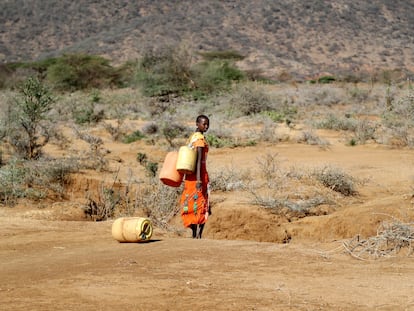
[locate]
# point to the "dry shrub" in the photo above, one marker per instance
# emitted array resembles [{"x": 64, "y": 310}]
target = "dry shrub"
[
  {"x": 158, "y": 202},
  {"x": 103, "y": 207},
  {"x": 111, "y": 199},
  {"x": 364, "y": 131},
  {"x": 150, "y": 128},
  {"x": 269, "y": 167},
  {"x": 249, "y": 99},
  {"x": 321, "y": 95},
  {"x": 335, "y": 179},
  {"x": 35, "y": 179},
  {"x": 269, "y": 132},
  {"x": 95, "y": 157},
  {"x": 229, "y": 179},
  {"x": 116, "y": 131},
  {"x": 311, "y": 138},
  {"x": 150, "y": 199},
  {"x": 290, "y": 208},
  {"x": 333, "y": 122},
  {"x": 398, "y": 120},
  {"x": 52, "y": 175},
  {"x": 12, "y": 182},
  {"x": 277, "y": 196},
  {"x": 172, "y": 131},
  {"x": 398, "y": 137},
  {"x": 391, "y": 238}
]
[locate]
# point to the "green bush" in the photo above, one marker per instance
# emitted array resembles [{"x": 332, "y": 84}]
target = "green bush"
[
  {"x": 165, "y": 71},
  {"x": 282, "y": 114},
  {"x": 223, "y": 55},
  {"x": 136, "y": 135},
  {"x": 86, "y": 114},
  {"x": 215, "y": 141},
  {"x": 81, "y": 71},
  {"x": 326, "y": 79},
  {"x": 172, "y": 131},
  {"x": 215, "y": 76},
  {"x": 170, "y": 71},
  {"x": 218, "y": 141},
  {"x": 151, "y": 168}
]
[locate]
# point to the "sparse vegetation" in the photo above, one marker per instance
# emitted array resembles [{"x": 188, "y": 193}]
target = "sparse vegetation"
[
  {"x": 293, "y": 90},
  {"x": 172, "y": 84}
]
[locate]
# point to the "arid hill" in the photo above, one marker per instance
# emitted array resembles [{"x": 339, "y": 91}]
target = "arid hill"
[{"x": 279, "y": 38}]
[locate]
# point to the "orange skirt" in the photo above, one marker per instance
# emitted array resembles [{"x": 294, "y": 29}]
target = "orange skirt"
[{"x": 194, "y": 204}]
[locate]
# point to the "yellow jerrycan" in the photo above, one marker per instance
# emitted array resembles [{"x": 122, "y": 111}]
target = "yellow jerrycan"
[
  {"x": 132, "y": 229},
  {"x": 186, "y": 161}
]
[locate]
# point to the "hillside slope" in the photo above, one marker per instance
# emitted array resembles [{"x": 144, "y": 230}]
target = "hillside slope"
[{"x": 287, "y": 36}]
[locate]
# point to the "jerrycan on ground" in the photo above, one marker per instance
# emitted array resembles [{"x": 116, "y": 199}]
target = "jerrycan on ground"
[{"x": 132, "y": 229}]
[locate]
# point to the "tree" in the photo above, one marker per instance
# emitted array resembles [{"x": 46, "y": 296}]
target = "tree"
[{"x": 33, "y": 102}]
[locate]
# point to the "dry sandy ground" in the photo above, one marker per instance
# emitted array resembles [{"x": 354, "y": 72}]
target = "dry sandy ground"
[{"x": 47, "y": 263}]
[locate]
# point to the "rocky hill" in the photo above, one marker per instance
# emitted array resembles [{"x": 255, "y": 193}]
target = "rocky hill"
[{"x": 292, "y": 37}]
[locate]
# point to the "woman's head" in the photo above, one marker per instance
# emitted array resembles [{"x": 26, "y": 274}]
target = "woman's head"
[{"x": 202, "y": 123}]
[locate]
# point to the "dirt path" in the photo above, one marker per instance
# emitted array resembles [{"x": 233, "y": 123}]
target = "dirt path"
[{"x": 54, "y": 265}]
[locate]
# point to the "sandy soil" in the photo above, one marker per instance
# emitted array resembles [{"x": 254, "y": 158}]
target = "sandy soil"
[{"x": 51, "y": 259}]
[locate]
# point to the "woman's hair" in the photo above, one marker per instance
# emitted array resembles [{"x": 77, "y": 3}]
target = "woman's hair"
[{"x": 202, "y": 116}]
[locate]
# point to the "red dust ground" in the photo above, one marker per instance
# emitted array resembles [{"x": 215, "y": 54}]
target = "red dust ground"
[{"x": 51, "y": 259}]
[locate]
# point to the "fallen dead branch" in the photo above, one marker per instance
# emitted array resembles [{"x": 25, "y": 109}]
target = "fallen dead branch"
[{"x": 391, "y": 238}]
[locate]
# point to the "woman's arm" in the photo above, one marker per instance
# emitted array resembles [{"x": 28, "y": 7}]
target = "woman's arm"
[{"x": 198, "y": 167}]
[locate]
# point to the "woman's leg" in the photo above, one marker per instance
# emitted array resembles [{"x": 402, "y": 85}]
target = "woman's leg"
[
  {"x": 200, "y": 231},
  {"x": 194, "y": 229}
]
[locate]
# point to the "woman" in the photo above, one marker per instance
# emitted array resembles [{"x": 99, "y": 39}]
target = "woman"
[{"x": 194, "y": 201}]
